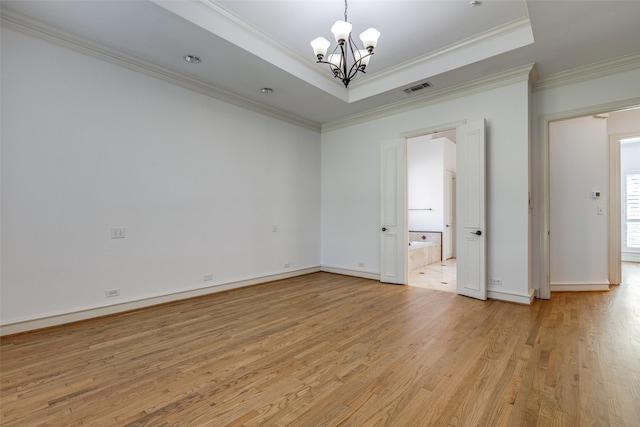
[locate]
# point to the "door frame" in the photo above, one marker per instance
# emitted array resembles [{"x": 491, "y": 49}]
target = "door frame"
[
  {"x": 449, "y": 209},
  {"x": 413, "y": 134},
  {"x": 543, "y": 289},
  {"x": 615, "y": 206}
]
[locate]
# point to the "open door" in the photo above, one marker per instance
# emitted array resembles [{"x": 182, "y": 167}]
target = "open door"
[
  {"x": 448, "y": 231},
  {"x": 393, "y": 239},
  {"x": 470, "y": 210}
]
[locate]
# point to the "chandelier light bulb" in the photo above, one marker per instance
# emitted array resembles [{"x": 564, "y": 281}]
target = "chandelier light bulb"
[
  {"x": 341, "y": 31},
  {"x": 370, "y": 38},
  {"x": 335, "y": 61},
  {"x": 362, "y": 56},
  {"x": 320, "y": 47}
]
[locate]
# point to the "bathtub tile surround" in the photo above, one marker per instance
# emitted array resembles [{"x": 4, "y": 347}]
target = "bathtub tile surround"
[
  {"x": 425, "y": 247},
  {"x": 425, "y": 236}
]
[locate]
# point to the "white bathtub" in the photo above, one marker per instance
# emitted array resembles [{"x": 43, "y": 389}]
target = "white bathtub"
[{"x": 420, "y": 244}]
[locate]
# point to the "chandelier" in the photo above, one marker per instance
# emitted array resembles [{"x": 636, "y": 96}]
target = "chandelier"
[{"x": 346, "y": 50}]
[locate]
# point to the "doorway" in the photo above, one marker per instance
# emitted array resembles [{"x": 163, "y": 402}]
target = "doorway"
[
  {"x": 629, "y": 190},
  {"x": 587, "y": 198},
  {"x": 431, "y": 180}
]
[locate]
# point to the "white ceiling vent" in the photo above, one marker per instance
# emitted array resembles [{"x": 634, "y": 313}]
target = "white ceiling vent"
[{"x": 417, "y": 87}]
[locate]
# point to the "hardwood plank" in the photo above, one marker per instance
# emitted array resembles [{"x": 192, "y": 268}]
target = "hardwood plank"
[{"x": 329, "y": 350}]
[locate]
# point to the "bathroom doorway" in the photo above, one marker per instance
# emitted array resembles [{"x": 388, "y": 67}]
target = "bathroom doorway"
[{"x": 431, "y": 185}]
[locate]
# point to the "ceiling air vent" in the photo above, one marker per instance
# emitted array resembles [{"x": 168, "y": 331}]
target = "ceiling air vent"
[{"x": 418, "y": 87}]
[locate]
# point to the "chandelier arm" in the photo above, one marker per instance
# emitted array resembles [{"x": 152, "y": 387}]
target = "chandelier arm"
[
  {"x": 357, "y": 63},
  {"x": 343, "y": 63}
]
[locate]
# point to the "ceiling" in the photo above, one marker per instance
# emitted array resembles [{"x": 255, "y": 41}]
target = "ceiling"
[{"x": 246, "y": 45}]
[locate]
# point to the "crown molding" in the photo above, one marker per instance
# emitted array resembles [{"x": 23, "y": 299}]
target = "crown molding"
[
  {"x": 215, "y": 18},
  {"x": 589, "y": 72},
  {"x": 51, "y": 34},
  {"x": 500, "y": 31},
  {"x": 514, "y": 75},
  {"x": 258, "y": 34}
]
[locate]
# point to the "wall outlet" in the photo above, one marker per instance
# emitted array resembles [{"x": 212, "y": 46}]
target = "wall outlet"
[
  {"x": 208, "y": 277},
  {"x": 110, "y": 293},
  {"x": 361, "y": 264},
  {"x": 274, "y": 229},
  {"x": 496, "y": 281},
  {"x": 118, "y": 232},
  {"x": 287, "y": 265}
]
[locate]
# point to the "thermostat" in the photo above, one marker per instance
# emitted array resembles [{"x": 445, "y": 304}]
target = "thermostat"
[{"x": 595, "y": 194}]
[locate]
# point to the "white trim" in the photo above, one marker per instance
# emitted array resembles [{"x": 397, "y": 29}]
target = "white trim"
[
  {"x": 433, "y": 129},
  {"x": 614, "y": 224},
  {"x": 504, "y": 78},
  {"x": 495, "y": 41},
  {"x": 589, "y": 72},
  {"x": 615, "y": 253},
  {"x": 579, "y": 287},
  {"x": 93, "y": 312},
  {"x": 348, "y": 272},
  {"x": 61, "y": 38},
  {"x": 216, "y": 19},
  {"x": 505, "y": 30},
  {"x": 526, "y": 299}
]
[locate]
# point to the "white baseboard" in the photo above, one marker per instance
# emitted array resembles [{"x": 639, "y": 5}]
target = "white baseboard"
[
  {"x": 578, "y": 287},
  {"x": 492, "y": 293},
  {"x": 526, "y": 299},
  {"x": 348, "y": 272},
  {"x": 60, "y": 319}
]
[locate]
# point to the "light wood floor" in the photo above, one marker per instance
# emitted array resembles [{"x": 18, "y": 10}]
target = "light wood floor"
[{"x": 328, "y": 350}]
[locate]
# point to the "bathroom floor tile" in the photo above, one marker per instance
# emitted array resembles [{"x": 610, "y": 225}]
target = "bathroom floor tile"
[{"x": 440, "y": 276}]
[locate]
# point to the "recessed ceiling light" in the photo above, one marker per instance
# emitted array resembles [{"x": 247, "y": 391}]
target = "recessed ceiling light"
[
  {"x": 266, "y": 90},
  {"x": 192, "y": 59}
]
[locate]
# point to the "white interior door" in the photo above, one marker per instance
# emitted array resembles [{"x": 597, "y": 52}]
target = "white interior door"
[
  {"x": 449, "y": 206},
  {"x": 393, "y": 239},
  {"x": 470, "y": 210}
]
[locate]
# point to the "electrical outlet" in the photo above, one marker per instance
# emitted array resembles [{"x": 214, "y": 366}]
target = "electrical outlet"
[
  {"x": 118, "y": 232},
  {"x": 361, "y": 264},
  {"x": 110, "y": 293},
  {"x": 287, "y": 265},
  {"x": 496, "y": 281},
  {"x": 208, "y": 277},
  {"x": 274, "y": 229}
]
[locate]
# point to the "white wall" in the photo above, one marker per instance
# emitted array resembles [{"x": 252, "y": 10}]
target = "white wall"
[
  {"x": 425, "y": 160},
  {"x": 87, "y": 146},
  {"x": 571, "y": 100},
  {"x": 350, "y": 183},
  {"x": 578, "y": 158}
]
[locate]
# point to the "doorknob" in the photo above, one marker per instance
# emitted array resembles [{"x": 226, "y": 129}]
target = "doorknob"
[
  {"x": 477, "y": 233},
  {"x": 384, "y": 228}
]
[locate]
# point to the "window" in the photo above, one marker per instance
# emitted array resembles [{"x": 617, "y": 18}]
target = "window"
[{"x": 631, "y": 212}]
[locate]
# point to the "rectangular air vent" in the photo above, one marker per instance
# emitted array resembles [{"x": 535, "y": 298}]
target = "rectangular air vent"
[{"x": 417, "y": 87}]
